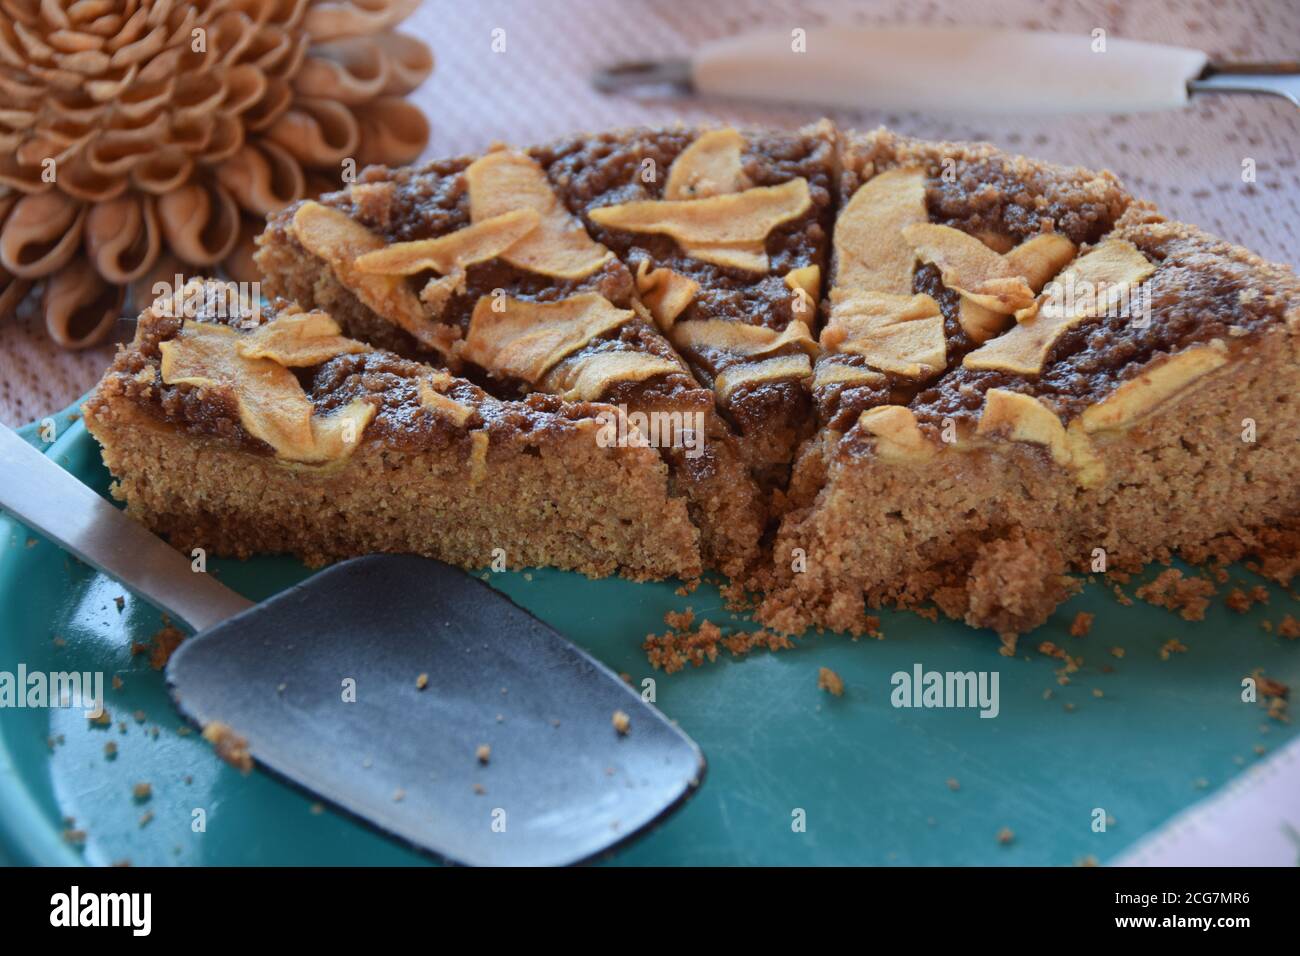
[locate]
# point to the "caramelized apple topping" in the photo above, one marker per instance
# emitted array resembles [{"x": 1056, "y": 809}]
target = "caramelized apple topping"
[
  {"x": 588, "y": 378},
  {"x": 299, "y": 339},
  {"x": 737, "y": 338},
  {"x": 1094, "y": 284},
  {"x": 970, "y": 268},
  {"x": 524, "y": 339},
  {"x": 775, "y": 369},
  {"x": 456, "y": 251},
  {"x": 272, "y": 405},
  {"x": 507, "y": 181},
  {"x": 897, "y": 434},
  {"x": 710, "y": 166},
  {"x": 341, "y": 241},
  {"x": 666, "y": 293},
  {"x": 729, "y": 230},
  {"x": 902, "y": 334},
  {"x": 870, "y": 250}
]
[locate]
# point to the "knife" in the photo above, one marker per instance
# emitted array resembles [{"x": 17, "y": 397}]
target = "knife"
[{"x": 952, "y": 70}]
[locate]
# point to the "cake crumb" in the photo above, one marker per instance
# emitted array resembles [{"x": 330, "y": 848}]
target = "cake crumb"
[
  {"x": 1171, "y": 590},
  {"x": 163, "y": 645},
  {"x": 142, "y": 792},
  {"x": 1242, "y": 601},
  {"x": 110, "y": 750},
  {"x": 399, "y": 795},
  {"x": 229, "y": 746},
  {"x": 1273, "y": 696},
  {"x": 679, "y": 620},
  {"x": 74, "y": 837},
  {"x": 1006, "y": 836},
  {"x": 954, "y": 784},
  {"x": 830, "y": 682},
  {"x": 1289, "y": 628},
  {"x": 1171, "y": 647},
  {"x": 146, "y": 819},
  {"x": 1269, "y": 687},
  {"x": 672, "y": 651},
  {"x": 483, "y": 754},
  {"x": 422, "y": 682},
  {"x": 622, "y": 722},
  {"x": 479, "y": 789},
  {"x": 1117, "y": 652},
  {"x": 1082, "y": 624},
  {"x": 117, "y": 682}
]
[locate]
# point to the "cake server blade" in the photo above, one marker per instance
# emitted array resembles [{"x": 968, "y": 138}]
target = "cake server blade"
[
  {"x": 955, "y": 70},
  {"x": 374, "y": 684}
]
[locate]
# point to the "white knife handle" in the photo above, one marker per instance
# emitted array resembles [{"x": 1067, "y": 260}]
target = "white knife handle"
[{"x": 948, "y": 70}]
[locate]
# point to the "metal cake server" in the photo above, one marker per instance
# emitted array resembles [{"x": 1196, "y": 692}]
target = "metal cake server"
[
  {"x": 323, "y": 680},
  {"x": 952, "y": 70}
]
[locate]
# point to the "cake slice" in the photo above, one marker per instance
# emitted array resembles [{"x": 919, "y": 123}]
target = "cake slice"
[
  {"x": 1146, "y": 404},
  {"x": 245, "y": 430},
  {"x": 726, "y": 233},
  {"x": 476, "y": 265},
  {"x": 914, "y": 213}
]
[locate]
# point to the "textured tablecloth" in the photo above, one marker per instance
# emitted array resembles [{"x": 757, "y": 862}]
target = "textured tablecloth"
[{"x": 1188, "y": 162}]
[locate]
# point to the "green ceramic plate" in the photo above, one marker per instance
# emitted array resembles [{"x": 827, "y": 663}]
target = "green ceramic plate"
[{"x": 795, "y": 775}]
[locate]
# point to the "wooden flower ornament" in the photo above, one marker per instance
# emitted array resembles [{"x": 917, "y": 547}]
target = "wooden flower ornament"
[{"x": 146, "y": 138}]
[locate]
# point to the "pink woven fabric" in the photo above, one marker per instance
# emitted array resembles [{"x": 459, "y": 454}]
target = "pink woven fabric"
[{"x": 1188, "y": 162}]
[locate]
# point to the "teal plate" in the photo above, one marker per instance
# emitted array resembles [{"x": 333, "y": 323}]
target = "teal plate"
[{"x": 796, "y": 776}]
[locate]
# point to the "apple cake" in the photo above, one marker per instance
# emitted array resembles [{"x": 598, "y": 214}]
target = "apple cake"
[
  {"x": 1025, "y": 373},
  {"x": 476, "y": 265},
  {"x": 849, "y": 370},
  {"x": 245, "y": 430},
  {"x": 726, "y": 233}
]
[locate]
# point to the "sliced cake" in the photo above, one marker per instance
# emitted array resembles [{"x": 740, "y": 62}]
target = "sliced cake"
[
  {"x": 476, "y": 265},
  {"x": 726, "y": 233},
  {"x": 623, "y": 353},
  {"x": 259, "y": 430},
  {"x": 1145, "y": 404}
]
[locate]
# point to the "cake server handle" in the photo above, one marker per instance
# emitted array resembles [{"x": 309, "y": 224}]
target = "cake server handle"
[
  {"x": 950, "y": 70},
  {"x": 40, "y": 494}
]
